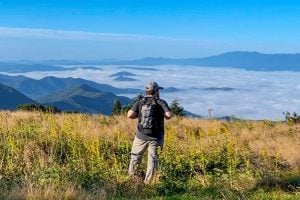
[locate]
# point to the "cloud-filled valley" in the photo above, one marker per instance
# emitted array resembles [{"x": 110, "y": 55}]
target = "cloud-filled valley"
[{"x": 248, "y": 94}]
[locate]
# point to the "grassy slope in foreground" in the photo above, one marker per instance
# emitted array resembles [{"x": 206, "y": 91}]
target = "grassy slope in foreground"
[{"x": 76, "y": 156}]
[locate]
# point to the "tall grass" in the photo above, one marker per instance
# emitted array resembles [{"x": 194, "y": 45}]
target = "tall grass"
[{"x": 77, "y": 156}]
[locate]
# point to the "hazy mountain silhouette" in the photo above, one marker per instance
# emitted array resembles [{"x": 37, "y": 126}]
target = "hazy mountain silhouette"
[
  {"x": 171, "y": 89},
  {"x": 237, "y": 59},
  {"x": 37, "y": 88},
  {"x": 253, "y": 61},
  {"x": 124, "y": 78},
  {"x": 11, "y": 98},
  {"x": 219, "y": 89},
  {"x": 27, "y": 67},
  {"x": 245, "y": 60},
  {"x": 21, "y": 68},
  {"x": 84, "y": 98},
  {"x": 139, "y": 68},
  {"x": 122, "y": 73}
]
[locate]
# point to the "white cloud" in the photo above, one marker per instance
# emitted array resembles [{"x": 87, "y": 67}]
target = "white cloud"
[
  {"x": 77, "y": 35},
  {"x": 297, "y": 87},
  {"x": 258, "y": 95},
  {"x": 39, "y": 44}
]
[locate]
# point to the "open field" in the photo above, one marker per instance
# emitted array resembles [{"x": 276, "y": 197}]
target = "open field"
[{"x": 77, "y": 156}]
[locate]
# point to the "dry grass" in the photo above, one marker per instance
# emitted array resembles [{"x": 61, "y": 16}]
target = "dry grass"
[{"x": 77, "y": 156}]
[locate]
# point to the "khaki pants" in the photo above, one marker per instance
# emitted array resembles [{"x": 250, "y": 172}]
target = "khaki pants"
[{"x": 139, "y": 146}]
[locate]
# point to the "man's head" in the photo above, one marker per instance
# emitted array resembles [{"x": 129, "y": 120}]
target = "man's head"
[{"x": 153, "y": 88}]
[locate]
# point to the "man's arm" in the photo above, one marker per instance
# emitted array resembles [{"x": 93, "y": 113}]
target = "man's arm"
[
  {"x": 131, "y": 114},
  {"x": 134, "y": 110},
  {"x": 165, "y": 107},
  {"x": 168, "y": 115}
]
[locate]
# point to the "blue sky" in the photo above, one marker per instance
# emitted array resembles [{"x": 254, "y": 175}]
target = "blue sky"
[{"x": 175, "y": 28}]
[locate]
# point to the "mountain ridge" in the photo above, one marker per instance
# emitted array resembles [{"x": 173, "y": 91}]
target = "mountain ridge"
[
  {"x": 249, "y": 60},
  {"x": 84, "y": 98},
  {"x": 10, "y": 98},
  {"x": 34, "y": 88},
  {"x": 254, "y": 61}
]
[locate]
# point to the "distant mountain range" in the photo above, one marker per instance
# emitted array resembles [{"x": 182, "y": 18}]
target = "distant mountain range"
[
  {"x": 11, "y": 98},
  {"x": 23, "y": 68},
  {"x": 254, "y": 61},
  {"x": 243, "y": 60},
  {"x": 37, "y": 88},
  {"x": 84, "y": 98}
]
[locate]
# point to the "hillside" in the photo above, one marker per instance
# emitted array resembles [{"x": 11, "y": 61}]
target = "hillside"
[
  {"x": 37, "y": 88},
  {"x": 11, "y": 98},
  {"x": 76, "y": 156},
  {"x": 85, "y": 99}
]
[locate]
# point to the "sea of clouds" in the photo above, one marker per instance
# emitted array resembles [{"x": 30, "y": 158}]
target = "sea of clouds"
[{"x": 252, "y": 94}]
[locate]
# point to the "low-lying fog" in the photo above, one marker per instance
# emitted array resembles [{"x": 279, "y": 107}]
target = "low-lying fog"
[{"x": 247, "y": 94}]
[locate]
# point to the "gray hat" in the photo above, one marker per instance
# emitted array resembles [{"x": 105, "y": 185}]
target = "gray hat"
[{"x": 153, "y": 86}]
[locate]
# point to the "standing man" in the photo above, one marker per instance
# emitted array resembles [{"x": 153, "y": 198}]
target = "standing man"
[{"x": 150, "y": 111}]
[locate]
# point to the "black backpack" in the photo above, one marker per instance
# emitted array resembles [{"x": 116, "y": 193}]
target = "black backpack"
[{"x": 148, "y": 113}]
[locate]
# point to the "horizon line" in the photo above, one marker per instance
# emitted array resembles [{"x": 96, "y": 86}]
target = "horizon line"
[{"x": 146, "y": 57}]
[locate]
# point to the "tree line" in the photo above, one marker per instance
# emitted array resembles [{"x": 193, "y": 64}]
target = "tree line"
[
  {"x": 38, "y": 107},
  {"x": 117, "y": 109}
]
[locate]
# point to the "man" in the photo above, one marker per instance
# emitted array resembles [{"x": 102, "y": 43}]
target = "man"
[{"x": 150, "y": 111}]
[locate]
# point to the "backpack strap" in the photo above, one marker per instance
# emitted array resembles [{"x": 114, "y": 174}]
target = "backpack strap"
[{"x": 142, "y": 101}]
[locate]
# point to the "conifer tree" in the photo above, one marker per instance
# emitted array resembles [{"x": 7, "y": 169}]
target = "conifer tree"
[
  {"x": 117, "y": 108},
  {"x": 176, "y": 108}
]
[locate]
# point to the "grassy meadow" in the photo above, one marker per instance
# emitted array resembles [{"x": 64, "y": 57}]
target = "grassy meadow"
[{"x": 77, "y": 156}]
